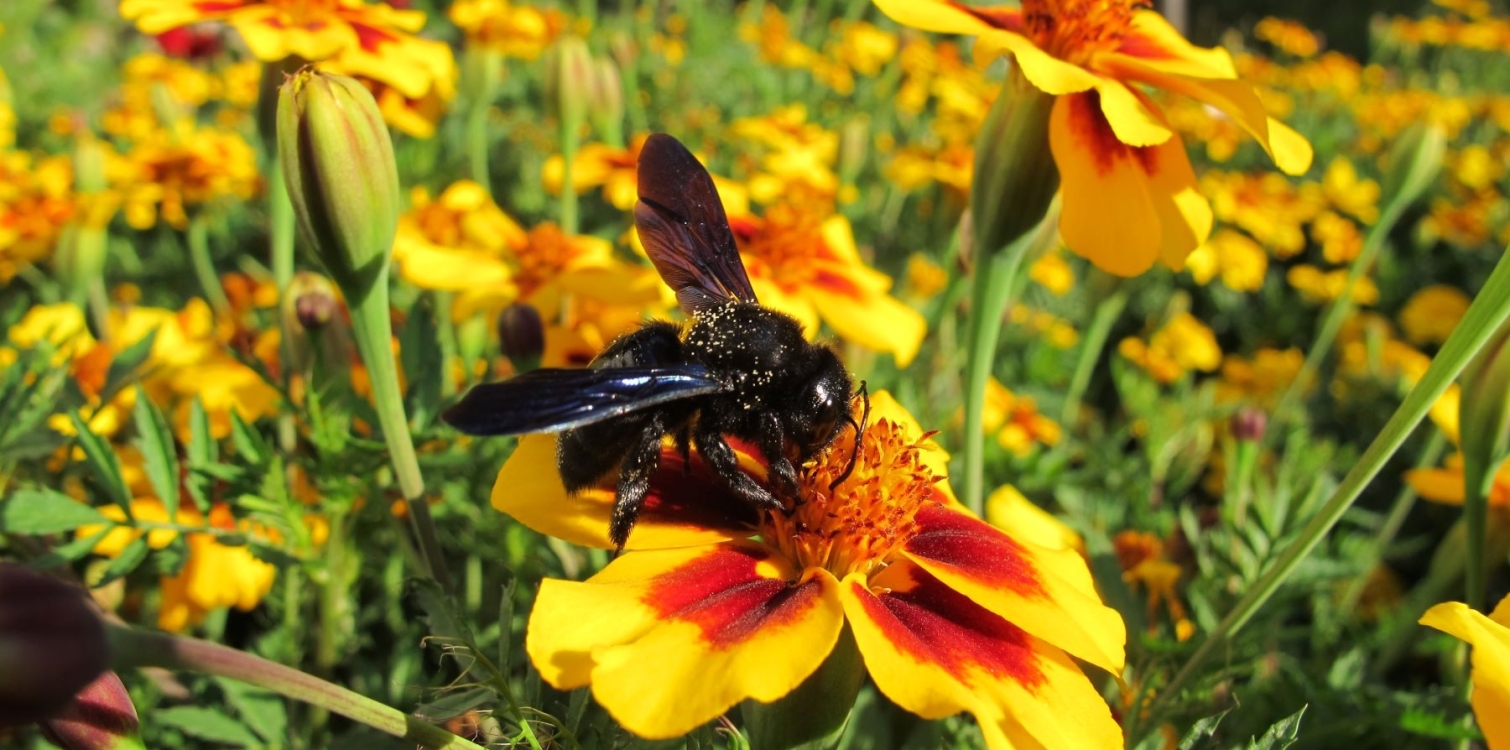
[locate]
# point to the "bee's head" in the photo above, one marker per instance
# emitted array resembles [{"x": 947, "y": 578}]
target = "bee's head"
[{"x": 823, "y": 404}]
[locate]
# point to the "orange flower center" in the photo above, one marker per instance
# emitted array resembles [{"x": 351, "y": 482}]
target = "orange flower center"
[
  {"x": 779, "y": 246},
  {"x": 858, "y": 526},
  {"x": 1076, "y": 30},
  {"x": 549, "y": 252}
]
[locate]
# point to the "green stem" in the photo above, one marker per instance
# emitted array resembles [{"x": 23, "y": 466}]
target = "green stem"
[
  {"x": 1108, "y": 309},
  {"x": 1339, "y": 309},
  {"x": 992, "y": 291},
  {"x": 373, "y": 331},
  {"x": 1389, "y": 530},
  {"x": 483, "y": 69},
  {"x": 134, "y": 648},
  {"x": 1478, "y": 480},
  {"x": 570, "y": 136},
  {"x": 281, "y": 227},
  {"x": 1489, "y": 309},
  {"x": 204, "y": 267}
]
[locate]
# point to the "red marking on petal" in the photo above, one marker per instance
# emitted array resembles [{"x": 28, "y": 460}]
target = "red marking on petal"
[
  {"x": 1092, "y": 130},
  {"x": 1002, "y": 18},
  {"x": 977, "y": 548},
  {"x": 837, "y": 283},
  {"x": 938, "y": 625},
  {"x": 744, "y": 227},
  {"x": 1147, "y": 48},
  {"x": 217, "y": 6},
  {"x": 370, "y": 37},
  {"x": 693, "y": 494},
  {"x": 723, "y": 595}
]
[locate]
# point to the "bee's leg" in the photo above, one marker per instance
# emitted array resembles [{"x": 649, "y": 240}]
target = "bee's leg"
[
  {"x": 716, "y": 451},
  {"x": 772, "y": 442},
  {"x": 640, "y": 463}
]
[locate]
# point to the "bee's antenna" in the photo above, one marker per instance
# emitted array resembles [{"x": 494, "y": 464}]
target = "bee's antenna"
[{"x": 859, "y": 433}]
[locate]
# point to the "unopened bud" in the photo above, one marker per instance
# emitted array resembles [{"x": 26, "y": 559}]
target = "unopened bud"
[
  {"x": 521, "y": 335},
  {"x": 52, "y": 645},
  {"x": 1249, "y": 424},
  {"x": 314, "y": 301},
  {"x": 607, "y": 107},
  {"x": 342, "y": 179},
  {"x": 569, "y": 79},
  {"x": 100, "y": 717},
  {"x": 1015, "y": 177},
  {"x": 1414, "y": 162}
]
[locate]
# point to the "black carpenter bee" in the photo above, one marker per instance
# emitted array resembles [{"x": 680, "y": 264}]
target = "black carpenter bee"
[{"x": 734, "y": 369}]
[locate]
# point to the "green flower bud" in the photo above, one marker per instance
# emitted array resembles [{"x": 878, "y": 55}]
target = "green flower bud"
[
  {"x": 52, "y": 645},
  {"x": 1015, "y": 176},
  {"x": 569, "y": 78},
  {"x": 341, "y": 176},
  {"x": 607, "y": 108},
  {"x": 521, "y": 335},
  {"x": 1414, "y": 162},
  {"x": 100, "y": 717}
]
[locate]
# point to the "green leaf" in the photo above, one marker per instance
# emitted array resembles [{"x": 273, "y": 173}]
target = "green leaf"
[
  {"x": 1281, "y": 735},
  {"x": 1202, "y": 730},
  {"x": 203, "y": 453},
  {"x": 452, "y": 705},
  {"x": 103, "y": 464},
  {"x": 159, "y": 451},
  {"x": 70, "y": 552},
  {"x": 419, "y": 348},
  {"x": 1428, "y": 723},
  {"x": 207, "y": 724},
  {"x": 248, "y": 441},
  {"x": 44, "y": 511},
  {"x": 263, "y": 710},
  {"x": 123, "y": 367},
  {"x": 130, "y": 558},
  {"x": 170, "y": 560}
]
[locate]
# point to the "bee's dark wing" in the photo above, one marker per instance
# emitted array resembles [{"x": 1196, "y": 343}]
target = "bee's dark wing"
[
  {"x": 552, "y": 400},
  {"x": 684, "y": 229}
]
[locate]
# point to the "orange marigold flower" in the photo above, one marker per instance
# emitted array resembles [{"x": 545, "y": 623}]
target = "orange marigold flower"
[
  {"x": 949, "y": 613},
  {"x": 1130, "y": 195},
  {"x": 509, "y": 29},
  {"x": 371, "y": 40}
]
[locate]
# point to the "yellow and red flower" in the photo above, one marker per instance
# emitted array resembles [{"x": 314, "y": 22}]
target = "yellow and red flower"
[
  {"x": 1130, "y": 195},
  {"x": 949, "y": 613},
  {"x": 1490, "y": 638}
]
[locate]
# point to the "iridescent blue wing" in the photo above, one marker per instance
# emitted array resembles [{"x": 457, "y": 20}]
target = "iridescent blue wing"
[
  {"x": 684, "y": 229},
  {"x": 552, "y": 400}
]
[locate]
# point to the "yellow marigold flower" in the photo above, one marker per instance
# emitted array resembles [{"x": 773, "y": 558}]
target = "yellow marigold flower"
[
  {"x": 418, "y": 105},
  {"x": 599, "y": 165},
  {"x": 1318, "y": 286},
  {"x": 36, "y": 203},
  {"x": 1338, "y": 236},
  {"x": 1476, "y": 167},
  {"x": 135, "y": 115},
  {"x": 1053, "y": 273},
  {"x": 798, "y": 159},
  {"x": 1468, "y": 223},
  {"x": 1129, "y": 192},
  {"x": 949, "y": 613},
  {"x": 1184, "y": 344},
  {"x": 1145, "y": 565},
  {"x": 1490, "y": 638},
  {"x": 1350, "y": 194},
  {"x": 950, "y": 165},
  {"x": 180, "y": 169},
  {"x": 1232, "y": 256},
  {"x": 1271, "y": 209},
  {"x": 925, "y": 277},
  {"x": 864, "y": 48},
  {"x": 463, "y": 242},
  {"x": 509, "y": 29},
  {"x": 806, "y": 264},
  {"x": 372, "y": 40},
  {"x": 1259, "y": 379},
  {"x": 1008, "y": 510},
  {"x": 1431, "y": 313},
  {"x": 1289, "y": 36}
]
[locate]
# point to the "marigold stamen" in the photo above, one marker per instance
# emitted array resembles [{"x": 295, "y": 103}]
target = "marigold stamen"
[
  {"x": 1075, "y": 30},
  {"x": 856, "y": 527}
]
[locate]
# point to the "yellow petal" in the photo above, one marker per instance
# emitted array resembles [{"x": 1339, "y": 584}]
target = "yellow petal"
[
  {"x": 1158, "y": 44},
  {"x": 1437, "y": 485},
  {"x": 934, "y": 652},
  {"x": 1491, "y": 664},
  {"x": 877, "y": 321},
  {"x": 1124, "y": 207},
  {"x": 1130, "y": 117},
  {"x": 1047, "y": 73},
  {"x": 1008, "y": 510},
  {"x": 715, "y": 625},
  {"x": 934, "y": 15}
]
